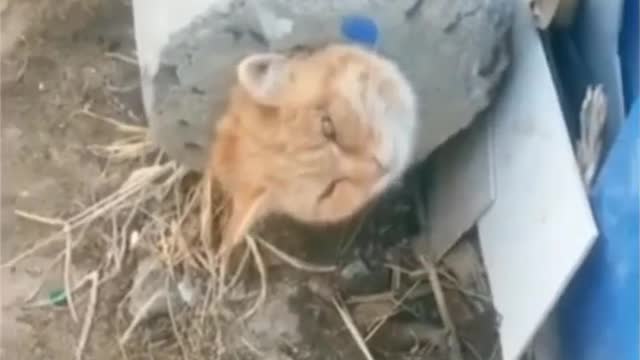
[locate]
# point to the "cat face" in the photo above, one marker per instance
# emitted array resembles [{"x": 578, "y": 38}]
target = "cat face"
[{"x": 315, "y": 136}]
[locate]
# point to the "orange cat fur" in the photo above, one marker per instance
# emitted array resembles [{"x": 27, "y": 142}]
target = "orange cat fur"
[{"x": 314, "y": 135}]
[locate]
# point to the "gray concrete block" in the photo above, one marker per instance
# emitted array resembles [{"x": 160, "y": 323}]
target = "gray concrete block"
[{"x": 454, "y": 51}]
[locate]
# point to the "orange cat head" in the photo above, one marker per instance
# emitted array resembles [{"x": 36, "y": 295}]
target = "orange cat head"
[{"x": 314, "y": 135}]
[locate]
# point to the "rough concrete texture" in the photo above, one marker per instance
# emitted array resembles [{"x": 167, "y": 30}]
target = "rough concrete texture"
[{"x": 454, "y": 51}]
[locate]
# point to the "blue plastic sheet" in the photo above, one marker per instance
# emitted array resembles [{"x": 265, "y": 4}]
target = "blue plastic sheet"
[
  {"x": 629, "y": 46},
  {"x": 599, "y": 312}
]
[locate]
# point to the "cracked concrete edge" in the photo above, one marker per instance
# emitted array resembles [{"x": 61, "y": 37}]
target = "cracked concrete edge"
[{"x": 455, "y": 71}]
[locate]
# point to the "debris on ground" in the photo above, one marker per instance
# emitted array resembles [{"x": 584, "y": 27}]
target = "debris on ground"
[
  {"x": 386, "y": 290},
  {"x": 132, "y": 266}
]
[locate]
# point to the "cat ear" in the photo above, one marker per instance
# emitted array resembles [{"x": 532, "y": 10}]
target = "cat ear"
[{"x": 263, "y": 76}]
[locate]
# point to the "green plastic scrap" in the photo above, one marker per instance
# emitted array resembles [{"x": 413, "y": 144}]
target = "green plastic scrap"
[{"x": 58, "y": 297}]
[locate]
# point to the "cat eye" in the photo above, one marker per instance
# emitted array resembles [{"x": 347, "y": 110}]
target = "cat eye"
[{"x": 328, "y": 130}]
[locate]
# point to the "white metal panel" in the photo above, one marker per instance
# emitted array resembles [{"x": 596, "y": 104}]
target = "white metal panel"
[{"x": 540, "y": 226}]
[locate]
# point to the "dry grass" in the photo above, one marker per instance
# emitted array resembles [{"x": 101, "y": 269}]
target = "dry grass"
[
  {"x": 169, "y": 212},
  {"x": 353, "y": 329},
  {"x": 162, "y": 196},
  {"x": 172, "y": 214},
  {"x": 176, "y": 216}
]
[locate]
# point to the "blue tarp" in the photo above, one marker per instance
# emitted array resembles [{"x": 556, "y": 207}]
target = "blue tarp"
[
  {"x": 599, "y": 315},
  {"x": 629, "y": 50}
]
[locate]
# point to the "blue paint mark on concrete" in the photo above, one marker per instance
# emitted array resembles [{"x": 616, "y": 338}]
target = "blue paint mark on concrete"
[{"x": 360, "y": 29}]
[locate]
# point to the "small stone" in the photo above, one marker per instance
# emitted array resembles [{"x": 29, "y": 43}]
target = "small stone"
[
  {"x": 369, "y": 313},
  {"x": 92, "y": 79},
  {"x": 320, "y": 287},
  {"x": 277, "y": 319},
  {"x": 187, "y": 291},
  {"x": 402, "y": 336},
  {"x": 357, "y": 279},
  {"x": 152, "y": 279},
  {"x": 356, "y": 268}
]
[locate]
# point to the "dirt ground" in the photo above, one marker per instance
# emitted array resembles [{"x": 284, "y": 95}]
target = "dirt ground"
[
  {"x": 46, "y": 166},
  {"x": 49, "y": 170}
]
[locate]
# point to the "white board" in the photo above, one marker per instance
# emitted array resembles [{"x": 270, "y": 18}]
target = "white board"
[{"x": 540, "y": 226}]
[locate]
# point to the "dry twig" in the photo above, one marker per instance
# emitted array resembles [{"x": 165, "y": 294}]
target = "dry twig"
[
  {"x": 393, "y": 311},
  {"x": 89, "y": 315},
  {"x": 252, "y": 347},
  {"x": 122, "y": 57},
  {"x": 174, "y": 326},
  {"x": 138, "y": 181},
  {"x": 593, "y": 117},
  {"x": 39, "y": 218},
  {"x": 139, "y": 316},
  {"x": 358, "y": 299},
  {"x": 241, "y": 266},
  {"x": 67, "y": 274},
  {"x": 262, "y": 271},
  {"x": 119, "y": 125},
  {"x": 456, "y": 351},
  {"x": 355, "y": 333},
  {"x": 294, "y": 262},
  {"x": 472, "y": 350}
]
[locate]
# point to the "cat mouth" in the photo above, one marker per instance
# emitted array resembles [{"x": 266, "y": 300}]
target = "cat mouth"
[
  {"x": 371, "y": 183},
  {"x": 330, "y": 189}
]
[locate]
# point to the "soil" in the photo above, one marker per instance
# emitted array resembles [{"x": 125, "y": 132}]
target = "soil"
[{"x": 49, "y": 170}]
